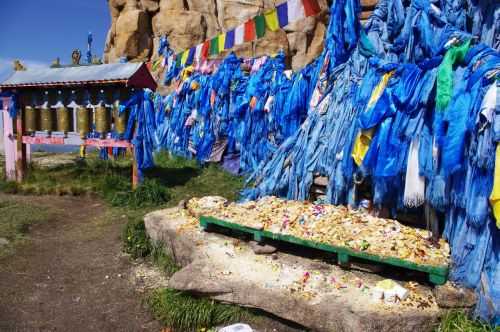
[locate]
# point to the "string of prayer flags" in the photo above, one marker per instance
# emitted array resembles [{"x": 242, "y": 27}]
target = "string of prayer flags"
[{"x": 285, "y": 13}]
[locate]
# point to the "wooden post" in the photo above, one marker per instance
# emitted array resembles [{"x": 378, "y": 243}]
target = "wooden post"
[
  {"x": 135, "y": 170},
  {"x": 20, "y": 148},
  {"x": 9, "y": 143}
]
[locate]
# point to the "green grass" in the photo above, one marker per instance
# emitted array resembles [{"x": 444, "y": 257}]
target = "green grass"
[
  {"x": 459, "y": 321},
  {"x": 183, "y": 312},
  {"x": 172, "y": 180},
  {"x": 16, "y": 220},
  {"x": 163, "y": 261}
]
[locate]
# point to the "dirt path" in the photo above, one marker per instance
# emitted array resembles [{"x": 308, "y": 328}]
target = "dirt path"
[{"x": 72, "y": 275}]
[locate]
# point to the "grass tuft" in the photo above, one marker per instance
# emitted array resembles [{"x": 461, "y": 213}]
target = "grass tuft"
[
  {"x": 459, "y": 321},
  {"x": 163, "y": 261},
  {"x": 136, "y": 241},
  {"x": 183, "y": 312}
]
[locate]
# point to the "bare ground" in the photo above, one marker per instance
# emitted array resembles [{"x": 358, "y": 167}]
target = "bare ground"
[{"x": 72, "y": 275}]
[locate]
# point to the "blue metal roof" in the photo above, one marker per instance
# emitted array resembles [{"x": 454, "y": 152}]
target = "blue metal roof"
[{"x": 105, "y": 73}]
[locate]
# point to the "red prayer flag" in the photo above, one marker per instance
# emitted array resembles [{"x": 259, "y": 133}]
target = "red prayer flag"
[
  {"x": 204, "y": 50},
  {"x": 311, "y": 7},
  {"x": 249, "y": 31}
]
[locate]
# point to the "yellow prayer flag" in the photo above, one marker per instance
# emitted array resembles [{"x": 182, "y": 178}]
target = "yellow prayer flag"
[
  {"x": 272, "y": 21},
  {"x": 495, "y": 194},
  {"x": 222, "y": 41},
  {"x": 361, "y": 146},
  {"x": 184, "y": 57}
]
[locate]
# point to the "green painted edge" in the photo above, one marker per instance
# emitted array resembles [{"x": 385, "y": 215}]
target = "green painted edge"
[{"x": 434, "y": 270}]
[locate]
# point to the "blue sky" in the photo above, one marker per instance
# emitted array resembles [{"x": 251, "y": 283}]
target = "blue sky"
[{"x": 38, "y": 31}]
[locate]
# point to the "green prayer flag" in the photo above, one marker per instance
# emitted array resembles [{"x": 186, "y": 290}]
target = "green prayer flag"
[
  {"x": 260, "y": 26},
  {"x": 178, "y": 59},
  {"x": 214, "y": 46}
]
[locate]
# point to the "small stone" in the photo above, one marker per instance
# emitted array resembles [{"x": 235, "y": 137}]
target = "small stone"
[
  {"x": 259, "y": 249},
  {"x": 106, "y": 277},
  {"x": 449, "y": 296},
  {"x": 3, "y": 241},
  {"x": 119, "y": 275}
]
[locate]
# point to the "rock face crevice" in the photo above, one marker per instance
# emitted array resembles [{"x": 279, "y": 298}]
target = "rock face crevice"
[{"x": 136, "y": 26}]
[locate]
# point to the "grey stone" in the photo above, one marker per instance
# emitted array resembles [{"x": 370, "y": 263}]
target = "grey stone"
[
  {"x": 450, "y": 296},
  {"x": 262, "y": 249},
  {"x": 3, "y": 242}
]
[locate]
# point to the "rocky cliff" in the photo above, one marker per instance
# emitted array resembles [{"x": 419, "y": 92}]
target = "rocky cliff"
[{"x": 137, "y": 25}]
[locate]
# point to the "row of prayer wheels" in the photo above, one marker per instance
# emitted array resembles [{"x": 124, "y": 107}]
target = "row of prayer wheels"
[{"x": 75, "y": 113}]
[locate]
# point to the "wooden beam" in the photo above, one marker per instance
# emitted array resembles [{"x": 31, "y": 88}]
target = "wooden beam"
[{"x": 20, "y": 147}]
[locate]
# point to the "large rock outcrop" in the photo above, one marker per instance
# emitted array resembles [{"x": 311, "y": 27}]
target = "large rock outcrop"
[
  {"x": 312, "y": 293},
  {"x": 137, "y": 24}
]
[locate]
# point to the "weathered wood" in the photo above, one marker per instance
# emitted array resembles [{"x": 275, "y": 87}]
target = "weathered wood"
[
  {"x": 20, "y": 148},
  {"x": 9, "y": 143}
]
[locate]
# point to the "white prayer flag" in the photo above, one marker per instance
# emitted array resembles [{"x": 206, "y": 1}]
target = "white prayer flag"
[{"x": 295, "y": 10}]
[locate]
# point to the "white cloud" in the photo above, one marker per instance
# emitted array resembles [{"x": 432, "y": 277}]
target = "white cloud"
[{"x": 6, "y": 66}]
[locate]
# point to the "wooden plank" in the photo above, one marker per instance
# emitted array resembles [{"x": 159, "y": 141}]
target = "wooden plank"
[
  {"x": 135, "y": 171},
  {"x": 103, "y": 143},
  {"x": 9, "y": 143},
  {"x": 20, "y": 148},
  {"x": 43, "y": 140},
  {"x": 437, "y": 274}
]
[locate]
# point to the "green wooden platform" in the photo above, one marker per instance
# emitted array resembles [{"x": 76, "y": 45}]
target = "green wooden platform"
[{"x": 437, "y": 274}]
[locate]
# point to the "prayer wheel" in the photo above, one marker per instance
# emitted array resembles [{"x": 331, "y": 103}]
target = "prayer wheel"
[
  {"x": 46, "y": 114},
  {"x": 102, "y": 121},
  {"x": 62, "y": 114},
  {"x": 120, "y": 120},
  {"x": 63, "y": 120},
  {"x": 83, "y": 121},
  {"x": 30, "y": 120},
  {"x": 46, "y": 119}
]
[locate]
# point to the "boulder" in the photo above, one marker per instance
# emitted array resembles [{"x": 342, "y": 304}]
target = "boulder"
[
  {"x": 297, "y": 42},
  {"x": 172, "y": 4},
  {"x": 234, "y": 12},
  {"x": 136, "y": 24},
  {"x": 272, "y": 43},
  {"x": 312, "y": 293},
  {"x": 450, "y": 296},
  {"x": 150, "y": 6},
  {"x": 132, "y": 37},
  {"x": 184, "y": 28}
]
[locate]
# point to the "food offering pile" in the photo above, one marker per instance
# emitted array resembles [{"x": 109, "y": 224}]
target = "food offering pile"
[{"x": 329, "y": 224}]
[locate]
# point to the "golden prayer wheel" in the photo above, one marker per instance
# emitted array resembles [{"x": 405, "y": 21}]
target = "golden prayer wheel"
[
  {"x": 102, "y": 120},
  {"x": 29, "y": 120},
  {"x": 120, "y": 120},
  {"x": 63, "y": 120},
  {"x": 83, "y": 121},
  {"x": 46, "y": 119}
]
